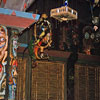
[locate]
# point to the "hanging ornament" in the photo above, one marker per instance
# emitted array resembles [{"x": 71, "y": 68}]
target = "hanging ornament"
[{"x": 66, "y": 3}]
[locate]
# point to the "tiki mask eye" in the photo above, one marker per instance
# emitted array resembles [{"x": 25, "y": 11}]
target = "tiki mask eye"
[{"x": 2, "y": 39}]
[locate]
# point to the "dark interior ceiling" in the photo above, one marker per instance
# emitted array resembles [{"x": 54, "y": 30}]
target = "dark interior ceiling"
[{"x": 82, "y": 6}]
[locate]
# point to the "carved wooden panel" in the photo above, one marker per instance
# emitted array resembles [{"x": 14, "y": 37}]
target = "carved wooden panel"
[
  {"x": 47, "y": 81},
  {"x": 21, "y": 79},
  {"x": 87, "y": 83}
]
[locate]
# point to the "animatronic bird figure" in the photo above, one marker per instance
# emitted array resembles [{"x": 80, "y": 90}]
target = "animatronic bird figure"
[{"x": 42, "y": 38}]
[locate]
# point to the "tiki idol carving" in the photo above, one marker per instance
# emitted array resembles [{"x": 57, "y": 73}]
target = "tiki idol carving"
[{"x": 3, "y": 62}]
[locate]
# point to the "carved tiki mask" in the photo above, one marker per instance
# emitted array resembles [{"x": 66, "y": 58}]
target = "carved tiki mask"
[
  {"x": 3, "y": 47},
  {"x": 3, "y": 43}
]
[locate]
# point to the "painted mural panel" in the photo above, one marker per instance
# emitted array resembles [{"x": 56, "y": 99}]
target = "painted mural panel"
[{"x": 3, "y": 62}]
